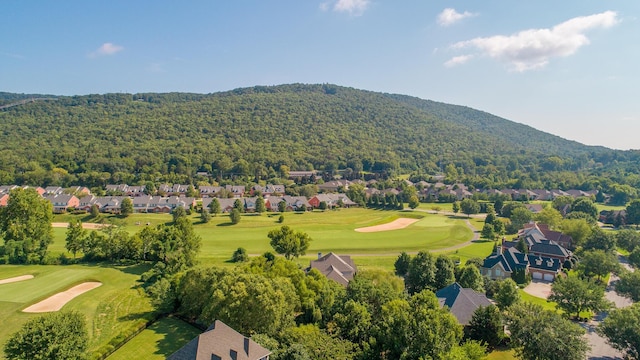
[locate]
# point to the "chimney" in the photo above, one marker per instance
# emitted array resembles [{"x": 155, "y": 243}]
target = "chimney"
[
  {"x": 319, "y": 255},
  {"x": 246, "y": 346}
]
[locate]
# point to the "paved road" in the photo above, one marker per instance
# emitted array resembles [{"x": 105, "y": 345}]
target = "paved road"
[{"x": 600, "y": 350}]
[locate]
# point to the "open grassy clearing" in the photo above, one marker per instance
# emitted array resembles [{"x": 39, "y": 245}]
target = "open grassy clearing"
[
  {"x": 330, "y": 231},
  {"x": 158, "y": 341},
  {"x": 115, "y": 306}
]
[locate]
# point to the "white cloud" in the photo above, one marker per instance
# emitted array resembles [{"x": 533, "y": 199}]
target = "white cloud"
[
  {"x": 352, "y": 7},
  {"x": 106, "y": 49},
  {"x": 533, "y": 48},
  {"x": 458, "y": 60},
  {"x": 450, "y": 16}
]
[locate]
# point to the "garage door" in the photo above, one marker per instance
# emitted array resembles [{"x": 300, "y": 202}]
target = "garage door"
[
  {"x": 537, "y": 275},
  {"x": 548, "y": 277}
]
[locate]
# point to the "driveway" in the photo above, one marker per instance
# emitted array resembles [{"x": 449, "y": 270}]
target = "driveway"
[
  {"x": 600, "y": 350},
  {"x": 538, "y": 288}
]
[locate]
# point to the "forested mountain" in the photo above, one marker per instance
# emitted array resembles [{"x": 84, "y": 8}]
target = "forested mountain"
[{"x": 251, "y": 132}]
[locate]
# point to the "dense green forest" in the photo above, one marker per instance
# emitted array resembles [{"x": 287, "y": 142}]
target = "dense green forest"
[{"x": 250, "y": 132}]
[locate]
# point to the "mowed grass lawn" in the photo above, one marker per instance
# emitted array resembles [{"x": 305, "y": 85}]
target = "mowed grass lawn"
[
  {"x": 109, "y": 309},
  {"x": 330, "y": 231},
  {"x": 158, "y": 341}
]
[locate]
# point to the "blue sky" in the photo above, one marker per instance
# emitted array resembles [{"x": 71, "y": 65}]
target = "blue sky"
[{"x": 570, "y": 67}]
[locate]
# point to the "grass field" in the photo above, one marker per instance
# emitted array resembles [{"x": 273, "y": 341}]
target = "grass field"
[
  {"x": 330, "y": 231},
  {"x": 158, "y": 341},
  {"x": 111, "y": 308}
]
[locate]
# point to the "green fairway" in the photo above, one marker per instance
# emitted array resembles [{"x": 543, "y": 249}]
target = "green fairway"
[
  {"x": 114, "y": 307},
  {"x": 158, "y": 341},
  {"x": 330, "y": 231}
]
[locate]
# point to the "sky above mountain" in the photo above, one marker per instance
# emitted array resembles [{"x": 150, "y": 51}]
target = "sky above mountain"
[{"x": 565, "y": 67}]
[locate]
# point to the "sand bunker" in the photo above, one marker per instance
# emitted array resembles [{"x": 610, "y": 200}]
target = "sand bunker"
[
  {"x": 57, "y": 301},
  {"x": 90, "y": 226},
  {"x": 394, "y": 225},
  {"x": 16, "y": 279}
]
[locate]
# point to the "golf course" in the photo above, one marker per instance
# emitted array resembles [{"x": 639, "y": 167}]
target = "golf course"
[{"x": 118, "y": 307}]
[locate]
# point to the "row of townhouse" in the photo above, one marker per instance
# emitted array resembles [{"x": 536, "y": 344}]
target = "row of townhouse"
[
  {"x": 292, "y": 203},
  {"x": 141, "y": 204},
  {"x": 205, "y": 191}
]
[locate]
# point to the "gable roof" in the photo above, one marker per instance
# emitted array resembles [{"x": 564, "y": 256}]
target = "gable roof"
[
  {"x": 338, "y": 268},
  {"x": 462, "y": 302},
  {"x": 220, "y": 341},
  {"x": 511, "y": 260}
]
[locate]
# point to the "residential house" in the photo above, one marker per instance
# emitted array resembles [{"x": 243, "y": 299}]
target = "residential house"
[
  {"x": 221, "y": 342},
  {"x": 236, "y": 190},
  {"x": 226, "y": 205},
  {"x": 294, "y": 174},
  {"x": 62, "y": 202},
  {"x": 53, "y": 190},
  {"x": 534, "y": 208},
  {"x": 502, "y": 264},
  {"x": 78, "y": 191},
  {"x": 334, "y": 185},
  {"x": 4, "y": 199},
  {"x": 335, "y": 267},
  {"x": 332, "y": 200},
  {"x": 268, "y": 190},
  {"x": 138, "y": 190},
  {"x": 209, "y": 191},
  {"x": 119, "y": 189},
  {"x": 462, "y": 302},
  {"x": 534, "y": 232},
  {"x": 178, "y": 190},
  {"x": 293, "y": 203}
]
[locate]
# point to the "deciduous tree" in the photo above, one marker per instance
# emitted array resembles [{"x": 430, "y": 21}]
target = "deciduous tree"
[
  {"x": 574, "y": 295},
  {"x": 622, "y": 330},
  {"x": 25, "y": 225},
  {"x": 288, "y": 242},
  {"x": 57, "y": 335},
  {"x": 126, "y": 207}
]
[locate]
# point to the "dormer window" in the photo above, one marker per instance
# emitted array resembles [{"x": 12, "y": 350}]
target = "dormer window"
[{"x": 538, "y": 261}]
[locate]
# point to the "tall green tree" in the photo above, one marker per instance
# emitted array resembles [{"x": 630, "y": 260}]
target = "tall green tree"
[
  {"x": 550, "y": 216},
  {"x": 621, "y": 327},
  {"x": 469, "y": 206},
  {"x": 289, "y": 242},
  {"x": 260, "y": 207},
  {"x": 456, "y": 207},
  {"x": 402, "y": 264},
  {"x": 126, "y": 207},
  {"x": 633, "y": 212},
  {"x": 234, "y": 216},
  {"x": 486, "y": 326},
  {"x": 421, "y": 273},
  {"x": 470, "y": 277},
  {"x": 600, "y": 240},
  {"x": 76, "y": 236},
  {"x": 205, "y": 217},
  {"x": 25, "y": 225},
  {"x": 629, "y": 285},
  {"x": 507, "y": 294},
  {"x": 214, "y": 206},
  {"x": 238, "y": 205},
  {"x": 444, "y": 272},
  {"x": 574, "y": 295},
  {"x": 597, "y": 263},
  {"x": 530, "y": 326},
  {"x": 57, "y": 335}
]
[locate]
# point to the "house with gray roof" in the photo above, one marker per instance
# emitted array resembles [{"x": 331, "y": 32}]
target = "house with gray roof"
[
  {"x": 339, "y": 268},
  {"x": 462, "y": 302},
  {"x": 221, "y": 342}
]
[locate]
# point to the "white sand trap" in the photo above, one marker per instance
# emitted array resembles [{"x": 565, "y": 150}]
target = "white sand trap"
[
  {"x": 90, "y": 226},
  {"x": 57, "y": 301},
  {"x": 16, "y": 279},
  {"x": 394, "y": 225}
]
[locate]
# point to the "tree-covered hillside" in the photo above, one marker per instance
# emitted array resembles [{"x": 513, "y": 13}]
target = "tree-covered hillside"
[{"x": 253, "y": 131}]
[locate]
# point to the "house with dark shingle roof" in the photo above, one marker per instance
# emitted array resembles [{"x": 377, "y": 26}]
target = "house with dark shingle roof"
[
  {"x": 504, "y": 263},
  {"x": 462, "y": 302},
  {"x": 335, "y": 267},
  {"x": 221, "y": 342}
]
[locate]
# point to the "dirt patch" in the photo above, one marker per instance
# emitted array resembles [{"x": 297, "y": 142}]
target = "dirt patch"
[
  {"x": 394, "y": 225},
  {"x": 16, "y": 279},
  {"x": 90, "y": 226},
  {"x": 57, "y": 301}
]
